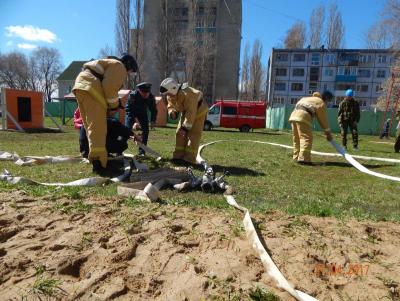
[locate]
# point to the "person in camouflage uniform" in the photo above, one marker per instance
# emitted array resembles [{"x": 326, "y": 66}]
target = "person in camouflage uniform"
[
  {"x": 397, "y": 143},
  {"x": 348, "y": 117}
]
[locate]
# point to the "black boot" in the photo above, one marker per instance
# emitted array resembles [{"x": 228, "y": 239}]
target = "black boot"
[{"x": 98, "y": 169}]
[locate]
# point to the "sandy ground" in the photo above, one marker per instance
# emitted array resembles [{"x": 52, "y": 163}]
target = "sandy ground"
[{"x": 161, "y": 252}]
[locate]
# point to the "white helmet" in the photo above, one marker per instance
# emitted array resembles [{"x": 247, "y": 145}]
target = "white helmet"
[{"x": 169, "y": 85}]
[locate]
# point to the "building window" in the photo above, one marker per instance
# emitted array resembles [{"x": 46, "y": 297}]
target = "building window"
[
  {"x": 280, "y": 86},
  {"x": 314, "y": 74},
  {"x": 344, "y": 86},
  {"x": 181, "y": 11},
  {"x": 279, "y": 99},
  {"x": 378, "y": 88},
  {"x": 315, "y": 59},
  {"x": 312, "y": 87},
  {"x": 280, "y": 71},
  {"x": 330, "y": 59},
  {"x": 299, "y": 57},
  {"x": 282, "y": 57},
  {"x": 381, "y": 58},
  {"x": 298, "y": 72},
  {"x": 297, "y": 87},
  {"x": 346, "y": 71},
  {"x": 364, "y": 73},
  {"x": 329, "y": 72},
  {"x": 181, "y": 24},
  {"x": 200, "y": 23},
  {"x": 365, "y": 58},
  {"x": 200, "y": 11},
  {"x": 362, "y": 88},
  {"x": 293, "y": 100},
  {"x": 380, "y": 73}
]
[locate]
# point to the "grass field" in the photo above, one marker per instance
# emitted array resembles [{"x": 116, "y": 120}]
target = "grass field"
[{"x": 264, "y": 176}]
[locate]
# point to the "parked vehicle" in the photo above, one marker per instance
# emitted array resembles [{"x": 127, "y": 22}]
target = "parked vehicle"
[{"x": 244, "y": 115}]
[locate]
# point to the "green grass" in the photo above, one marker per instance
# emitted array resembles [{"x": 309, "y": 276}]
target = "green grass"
[
  {"x": 264, "y": 176},
  {"x": 45, "y": 286}
]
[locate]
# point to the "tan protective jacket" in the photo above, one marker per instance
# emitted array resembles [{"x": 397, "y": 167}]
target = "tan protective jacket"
[
  {"x": 186, "y": 101},
  {"x": 309, "y": 107},
  {"x": 106, "y": 91}
]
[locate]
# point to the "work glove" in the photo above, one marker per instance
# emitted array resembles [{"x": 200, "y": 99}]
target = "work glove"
[
  {"x": 329, "y": 136},
  {"x": 136, "y": 126},
  {"x": 173, "y": 115}
]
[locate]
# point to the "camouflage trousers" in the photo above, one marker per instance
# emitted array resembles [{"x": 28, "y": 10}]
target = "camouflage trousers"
[{"x": 344, "y": 126}]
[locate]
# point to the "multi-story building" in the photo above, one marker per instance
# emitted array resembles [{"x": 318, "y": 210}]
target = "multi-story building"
[
  {"x": 294, "y": 73},
  {"x": 219, "y": 20}
]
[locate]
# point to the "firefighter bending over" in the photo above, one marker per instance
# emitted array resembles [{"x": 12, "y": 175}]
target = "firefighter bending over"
[
  {"x": 96, "y": 90},
  {"x": 301, "y": 119},
  {"x": 188, "y": 101}
]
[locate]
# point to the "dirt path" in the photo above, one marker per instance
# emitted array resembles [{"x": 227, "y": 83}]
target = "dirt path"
[{"x": 103, "y": 250}]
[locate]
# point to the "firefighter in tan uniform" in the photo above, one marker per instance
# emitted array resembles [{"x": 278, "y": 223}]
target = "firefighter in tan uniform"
[
  {"x": 96, "y": 90},
  {"x": 188, "y": 101},
  {"x": 301, "y": 119}
]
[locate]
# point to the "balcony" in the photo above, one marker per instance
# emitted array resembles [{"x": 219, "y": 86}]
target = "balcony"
[{"x": 346, "y": 78}]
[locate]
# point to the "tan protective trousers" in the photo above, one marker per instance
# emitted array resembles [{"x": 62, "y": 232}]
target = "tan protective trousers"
[
  {"x": 186, "y": 147},
  {"x": 94, "y": 117},
  {"x": 302, "y": 141}
]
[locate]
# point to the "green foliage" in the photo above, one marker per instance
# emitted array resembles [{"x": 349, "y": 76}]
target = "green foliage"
[{"x": 262, "y": 294}]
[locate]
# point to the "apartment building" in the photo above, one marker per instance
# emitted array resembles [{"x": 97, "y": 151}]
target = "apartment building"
[
  {"x": 219, "y": 19},
  {"x": 294, "y": 73}
]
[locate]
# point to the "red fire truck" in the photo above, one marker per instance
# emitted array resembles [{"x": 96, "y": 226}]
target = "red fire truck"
[{"x": 244, "y": 115}]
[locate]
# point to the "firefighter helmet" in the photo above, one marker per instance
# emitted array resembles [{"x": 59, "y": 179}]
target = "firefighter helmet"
[{"x": 169, "y": 85}]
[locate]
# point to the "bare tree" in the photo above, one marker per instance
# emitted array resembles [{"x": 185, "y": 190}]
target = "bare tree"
[
  {"x": 199, "y": 48},
  {"x": 316, "y": 26},
  {"x": 378, "y": 36},
  {"x": 14, "y": 71},
  {"x": 296, "y": 36},
  {"x": 390, "y": 85},
  {"x": 335, "y": 28},
  {"x": 48, "y": 64},
  {"x": 166, "y": 42},
  {"x": 106, "y": 51},
  {"x": 137, "y": 34},
  {"x": 256, "y": 71},
  {"x": 391, "y": 19},
  {"x": 245, "y": 74},
  {"x": 122, "y": 26}
]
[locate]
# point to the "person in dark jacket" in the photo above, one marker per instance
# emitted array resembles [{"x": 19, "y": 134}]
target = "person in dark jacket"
[
  {"x": 116, "y": 140},
  {"x": 348, "y": 117},
  {"x": 140, "y": 101}
]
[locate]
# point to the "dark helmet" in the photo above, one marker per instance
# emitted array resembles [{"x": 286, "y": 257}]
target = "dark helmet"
[
  {"x": 144, "y": 87},
  {"x": 129, "y": 62},
  {"x": 327, "y": 95}
]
